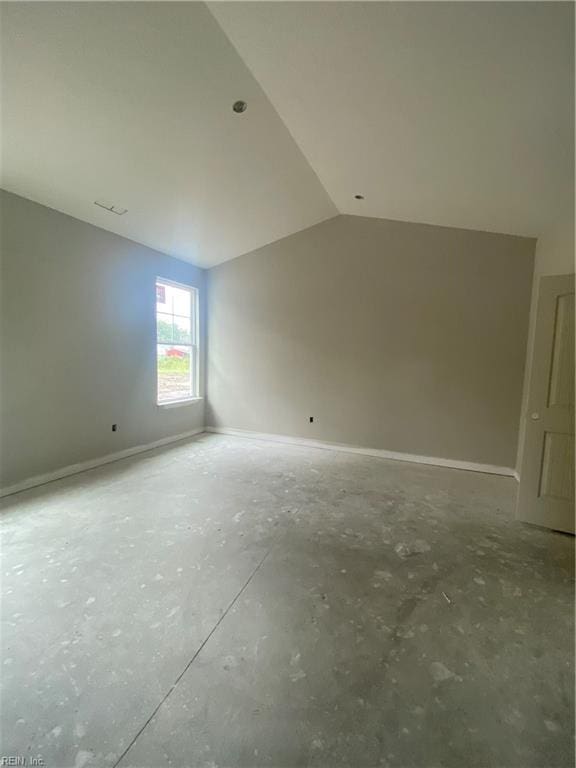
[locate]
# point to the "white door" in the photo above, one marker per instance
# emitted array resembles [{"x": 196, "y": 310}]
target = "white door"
[{"x": 546, "y": 495}]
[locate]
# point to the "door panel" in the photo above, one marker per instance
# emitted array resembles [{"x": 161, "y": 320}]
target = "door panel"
[
  {"x": 557, "y": 479},
  {"x": 546, "y": 495},
  {"x": 562, "y": 377}
]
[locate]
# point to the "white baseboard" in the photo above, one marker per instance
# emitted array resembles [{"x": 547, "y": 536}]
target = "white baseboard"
[
  {"x": 378, "y": 452},
  {"x": 74, "y": 469}
]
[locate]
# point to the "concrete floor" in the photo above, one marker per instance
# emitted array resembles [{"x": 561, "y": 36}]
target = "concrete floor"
[{"x": 228, "y": 602}]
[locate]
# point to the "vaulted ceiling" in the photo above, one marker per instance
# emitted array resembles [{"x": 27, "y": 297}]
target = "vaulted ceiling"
[
  {"x": 455, "y": 113},
  {"x": 131, "y": 103},
  {"x": 458, "y": 114}
]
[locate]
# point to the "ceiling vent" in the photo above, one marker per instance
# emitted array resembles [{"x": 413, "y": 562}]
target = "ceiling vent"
[{"x": 112, "y": 208}]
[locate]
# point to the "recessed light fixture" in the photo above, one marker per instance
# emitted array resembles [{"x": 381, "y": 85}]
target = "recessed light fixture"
[
  {"x": 239, "y": 107},
  {"x": 112, "y": 208},
  {"x": 359, "y": 197}
]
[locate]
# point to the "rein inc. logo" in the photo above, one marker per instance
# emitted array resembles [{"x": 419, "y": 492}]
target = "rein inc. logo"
[{"x": 20, "y": 760}]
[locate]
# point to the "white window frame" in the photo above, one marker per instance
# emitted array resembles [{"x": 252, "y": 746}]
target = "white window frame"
[{"x": 194, "y": 343}]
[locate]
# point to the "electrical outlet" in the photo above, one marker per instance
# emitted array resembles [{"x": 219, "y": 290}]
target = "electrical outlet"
[
  {"x": 114, "y": 427},
  {"x": 311, "y": 419}
]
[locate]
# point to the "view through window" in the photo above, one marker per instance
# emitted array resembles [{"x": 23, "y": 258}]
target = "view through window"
[{"x": 176, "y": 341}]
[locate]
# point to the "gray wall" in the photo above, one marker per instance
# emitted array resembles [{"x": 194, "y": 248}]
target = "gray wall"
[
  {"x": 78, "y": 342},
  {"x": 399, "y": 336}
]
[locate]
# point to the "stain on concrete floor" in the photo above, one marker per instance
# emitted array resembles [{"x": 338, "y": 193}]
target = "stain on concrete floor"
[{"x": 228, "y": 602}]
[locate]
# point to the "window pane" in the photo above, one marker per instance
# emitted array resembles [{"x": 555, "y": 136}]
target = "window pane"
[
  {"x": 182, "y": 334},
  {"x": 160, "y": 297},
  {"x": 174, "y": 372},
  {"x": 177, "y": 301},
  {"x": 164, "y": 327}
]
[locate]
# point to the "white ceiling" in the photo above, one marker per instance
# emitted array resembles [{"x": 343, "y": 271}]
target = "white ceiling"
[
  {"x": 458, "y": 114},
  {"x": 131, "y": 103}
]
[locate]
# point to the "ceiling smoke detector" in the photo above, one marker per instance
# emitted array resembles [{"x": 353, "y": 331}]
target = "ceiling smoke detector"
[
  {"x": 239, "y": 107},
  {"x": 112, "y": 208}
]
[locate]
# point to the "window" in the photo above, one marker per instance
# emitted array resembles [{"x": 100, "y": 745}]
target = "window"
[{"x": 176, "y": 341}]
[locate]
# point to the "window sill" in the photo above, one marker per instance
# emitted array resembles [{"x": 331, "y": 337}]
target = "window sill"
[{"x": 179, "y": 403}]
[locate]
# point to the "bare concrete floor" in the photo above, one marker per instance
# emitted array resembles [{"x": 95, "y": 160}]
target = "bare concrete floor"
[{"x": 228, "y": 602}]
